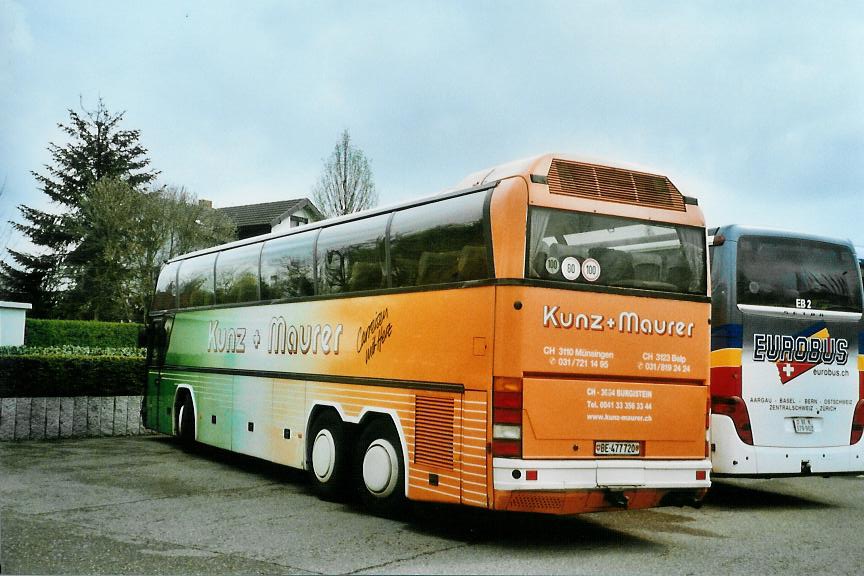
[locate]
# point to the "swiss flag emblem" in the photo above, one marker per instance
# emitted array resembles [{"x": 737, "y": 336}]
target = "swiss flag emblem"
[{"x": 791, "y": 370}]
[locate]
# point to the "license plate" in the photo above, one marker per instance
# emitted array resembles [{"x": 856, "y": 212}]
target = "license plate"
[
  {"x": 802, "y": 425},
  {"x": 610, "y": 448}
]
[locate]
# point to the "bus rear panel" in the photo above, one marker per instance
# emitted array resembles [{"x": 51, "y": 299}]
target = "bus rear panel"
[
  {"x": 600, "y": 398},
  {"x": 787, "y": 385}
]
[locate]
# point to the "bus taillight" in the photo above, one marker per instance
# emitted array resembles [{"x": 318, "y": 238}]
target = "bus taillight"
[
  {"x": 507, "y": 417},
  {"x": 726, "y": 399},
  {"x": 858, "y": 417},
  {"x": 734, "y": 407}
]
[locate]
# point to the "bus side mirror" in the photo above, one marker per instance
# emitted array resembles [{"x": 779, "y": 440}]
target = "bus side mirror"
[{"x": 142, "y": 337}]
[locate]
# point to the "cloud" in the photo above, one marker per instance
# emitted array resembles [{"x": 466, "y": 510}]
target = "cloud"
[
  {"x": 14, "y": 31},
  {"x": 754, "y": 110}
]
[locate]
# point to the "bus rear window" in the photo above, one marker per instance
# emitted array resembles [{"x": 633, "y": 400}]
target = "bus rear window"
[
  {"x": 589, "y": 249},
  {"x": 797, "y": 273}
]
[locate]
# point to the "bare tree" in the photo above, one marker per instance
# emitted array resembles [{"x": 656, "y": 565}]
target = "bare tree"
[{"x": 346, "y": 184}]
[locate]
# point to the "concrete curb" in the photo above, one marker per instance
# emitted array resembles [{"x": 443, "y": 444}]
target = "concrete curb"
[{"x": 70, "y": 417}]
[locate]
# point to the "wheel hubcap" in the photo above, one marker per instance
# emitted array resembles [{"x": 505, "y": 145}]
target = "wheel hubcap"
[
  {"x": 380, "y": 468},
  {"x": 323, "y": 455}
]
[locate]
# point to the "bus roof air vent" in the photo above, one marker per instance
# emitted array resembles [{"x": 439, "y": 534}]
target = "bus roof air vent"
[{"x": 614, "y": 185}]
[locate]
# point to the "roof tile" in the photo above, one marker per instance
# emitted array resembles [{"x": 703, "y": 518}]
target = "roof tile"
[{"x": 253, "y": 214}]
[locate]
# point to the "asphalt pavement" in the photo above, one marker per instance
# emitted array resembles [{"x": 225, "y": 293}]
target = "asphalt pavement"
[{"x": 142, "y": 505}]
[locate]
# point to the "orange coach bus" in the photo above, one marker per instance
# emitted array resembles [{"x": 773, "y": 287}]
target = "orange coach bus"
[{"x": 535, "y": 340}]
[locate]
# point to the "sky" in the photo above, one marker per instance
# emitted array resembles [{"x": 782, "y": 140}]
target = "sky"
[{"x": 755, "y": 108}]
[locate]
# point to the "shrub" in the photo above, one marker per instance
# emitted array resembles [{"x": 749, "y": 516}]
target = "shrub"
[
  {"x": 33, "y": 375},
  {"x": 81, "y": 333},
  {"x": 71, "y": 351}
]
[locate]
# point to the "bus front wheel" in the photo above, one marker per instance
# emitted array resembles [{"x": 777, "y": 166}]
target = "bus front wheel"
[
  {"x": 379, "y": 468},
  {"x": 327, "y": 459},
  {"x": 186, "y": 422}
]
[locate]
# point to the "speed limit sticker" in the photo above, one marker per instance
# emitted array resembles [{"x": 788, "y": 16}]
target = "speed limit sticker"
[
  {"x": 590, "y": 269},
  {"x": 570, "y": 268}
]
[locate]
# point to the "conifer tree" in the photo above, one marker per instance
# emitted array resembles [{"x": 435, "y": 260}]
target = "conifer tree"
[{"x": 97, "y": 148}]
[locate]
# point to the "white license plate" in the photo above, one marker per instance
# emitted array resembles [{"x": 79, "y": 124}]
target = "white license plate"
[
  {"x": 802, "y": 425},
  {"x": 608, "y": 448}
]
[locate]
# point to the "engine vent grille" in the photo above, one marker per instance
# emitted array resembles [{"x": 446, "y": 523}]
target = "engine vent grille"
[
  {"x": 614, "y": 185},
  {"x": 538, "y": 502},
  {"x": 433, "y": 440}
]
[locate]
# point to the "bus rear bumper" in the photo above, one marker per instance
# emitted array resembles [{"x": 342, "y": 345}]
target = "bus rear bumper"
[
  {"x": 732, "y": 457},
  {"x": 575, "y": 487},
  {"x": 517, "y": 474}
]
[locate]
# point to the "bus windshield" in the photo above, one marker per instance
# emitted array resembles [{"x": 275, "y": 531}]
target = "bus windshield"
[
  {"x": 590, "y": 249},
  {"x": 797, "y": 273}
]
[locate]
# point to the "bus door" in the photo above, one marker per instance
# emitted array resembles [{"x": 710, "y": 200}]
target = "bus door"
[
  {"x": 799, "y": 376},
  {"x": 158, "y": 337}
]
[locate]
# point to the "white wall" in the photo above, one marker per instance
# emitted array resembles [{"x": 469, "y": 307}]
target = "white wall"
[
  {"x": 12, "y": 316},
  {"x": 302, "y": 213}
]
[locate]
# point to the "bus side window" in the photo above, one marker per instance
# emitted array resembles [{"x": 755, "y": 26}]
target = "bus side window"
[
  {"x": 439, "y": 243},
  {"x": 365, "y": 276},
  {"x": 196, "y": 281},
  {"x": 719, "y": 283},
  {"x": 287, "y": 267},
  {"x": 237, "y": 275},
  {"x": 165, "y": 297},
  {"x": 437, "y": 268},
  {"x": 472, "y": 263},
  {"x": 351, "y": 256}
]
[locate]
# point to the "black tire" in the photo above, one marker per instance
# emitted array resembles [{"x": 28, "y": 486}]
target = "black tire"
[
  {"x": 379, "y": 469},
  {"x": 327, "y": 457},
  {"x": 186, "y": 422}
]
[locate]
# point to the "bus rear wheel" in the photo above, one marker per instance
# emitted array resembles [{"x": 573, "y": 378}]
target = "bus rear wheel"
[
  {"x": 379, "y": 468},
  {"x": 327, "y": 457}
]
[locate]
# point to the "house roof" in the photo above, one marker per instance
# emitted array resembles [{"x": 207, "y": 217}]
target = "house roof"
[{"x": 268, "y": 213}]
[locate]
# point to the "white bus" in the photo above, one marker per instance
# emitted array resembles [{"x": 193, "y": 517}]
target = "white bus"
[{"x": 787, "y": 387}]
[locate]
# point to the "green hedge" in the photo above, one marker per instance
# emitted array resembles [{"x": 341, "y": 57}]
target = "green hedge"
[
  {"x": 81, "y": 333},
  {"x": 35, "y": 375},
  {"x": 71, "y": 351}
]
